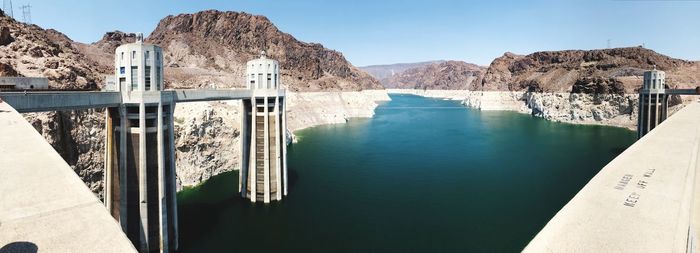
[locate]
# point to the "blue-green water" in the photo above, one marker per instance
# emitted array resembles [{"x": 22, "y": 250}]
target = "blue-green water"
[{"x": 423, "y": 175}]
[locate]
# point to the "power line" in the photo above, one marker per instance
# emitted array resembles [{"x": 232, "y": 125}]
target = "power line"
[
  {"x": 7, "y": 8},
  {"x": 27, "y": 13}
]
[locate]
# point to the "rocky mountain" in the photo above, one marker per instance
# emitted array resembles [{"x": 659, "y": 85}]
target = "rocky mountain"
[
  {"x": 448, "y": 75},
  {"x": 384, "y": 72},
  {"x": 211, "y": 48},
  {"x": 102, "y": 51},
  {"x": 617, "y": 71},
  {"x": 29, "y": 50}
]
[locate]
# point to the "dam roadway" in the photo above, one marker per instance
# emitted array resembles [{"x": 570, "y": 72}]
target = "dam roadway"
[
  {"x": 645, "y": 200},
  {"x": 44, "y": 205}
]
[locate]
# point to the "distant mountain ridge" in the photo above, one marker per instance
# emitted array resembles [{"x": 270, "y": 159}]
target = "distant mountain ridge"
[
  {"x": 445, "y": 75},
  {"x": 386, "y": 71},
  {"x": 600, "y": 71}
]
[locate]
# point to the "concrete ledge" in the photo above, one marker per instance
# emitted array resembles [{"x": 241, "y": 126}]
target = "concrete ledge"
[
  {"x": 639, "y": 202},
  {"x": 43, "y": 203},
  {"x": 60, "y": 100}
]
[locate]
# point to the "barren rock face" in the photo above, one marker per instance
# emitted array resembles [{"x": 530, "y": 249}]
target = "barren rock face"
[
  {"x": 78, "y": 136},
  {"x": 449, "y": 75},
  {"x": 35, "y": 52},
  {"x": 211, "y": 48},
  {"x": 207, "y": 140},
  {"x": 5, "y": 37},
  {"x": 617, "y": 70}
]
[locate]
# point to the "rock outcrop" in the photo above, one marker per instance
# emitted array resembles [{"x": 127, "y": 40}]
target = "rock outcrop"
[
  {"x": 29, "y": 50},
  {"x": 207, "y": 140}
]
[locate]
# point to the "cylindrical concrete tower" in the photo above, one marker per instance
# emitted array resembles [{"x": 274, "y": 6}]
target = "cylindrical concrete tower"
[
  {"x": 140, "y": 186},
  {"x": 653, "y": 102},
  {"x": 263, "y": 175},
  {"x": 138, "y": 67}
]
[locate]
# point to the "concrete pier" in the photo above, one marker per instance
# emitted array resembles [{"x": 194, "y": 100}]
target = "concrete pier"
[
  {"x": 653, "y": 102},
  {"x": 140, "y": 172},
  {"x": 263, "y": 176},
  {"x": 140, "y": 175}
]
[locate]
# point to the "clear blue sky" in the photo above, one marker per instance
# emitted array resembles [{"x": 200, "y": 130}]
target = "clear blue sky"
[{"x": 391, "y": 31}]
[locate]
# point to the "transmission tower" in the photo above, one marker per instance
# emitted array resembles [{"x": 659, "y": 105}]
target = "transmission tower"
[
  {"x": 608, "y": 43},
  {"x": 27, "y": 13},
  {"x": 7, "y": 8}
]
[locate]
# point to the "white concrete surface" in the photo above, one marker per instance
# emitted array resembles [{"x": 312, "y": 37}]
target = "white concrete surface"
[
  {"x": 642, "y": 201},
  {"x": 43, "y": 203}
]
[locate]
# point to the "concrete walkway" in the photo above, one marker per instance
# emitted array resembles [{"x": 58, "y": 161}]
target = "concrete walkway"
[
  {"x": 643, "y": 201},
  {"x": 44, "y": 206}
]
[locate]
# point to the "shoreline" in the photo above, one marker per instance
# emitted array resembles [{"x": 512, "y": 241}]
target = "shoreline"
[
  {"x": 208, "y": 133},
  {"x": 572, "y": 108}
]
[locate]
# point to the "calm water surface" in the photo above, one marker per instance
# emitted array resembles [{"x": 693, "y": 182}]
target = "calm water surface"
[{"x": 423, "y": 175}]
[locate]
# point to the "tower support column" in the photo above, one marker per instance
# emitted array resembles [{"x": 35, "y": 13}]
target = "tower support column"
[
  {"x": 266, "y": 150},
  {"x": 162, "y": 203},
  {"x": 143, "y": 181},
  {"x": 278, "y": 143}
]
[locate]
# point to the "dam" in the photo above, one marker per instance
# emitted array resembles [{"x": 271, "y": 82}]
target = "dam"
[{"x": 396, "y": 182}]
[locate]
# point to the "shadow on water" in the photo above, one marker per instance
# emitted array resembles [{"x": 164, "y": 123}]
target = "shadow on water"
[
  {"x": 293, "y": 178},
  {"x": 19, "y": 247},
  {"x": 207, "y": 200}
]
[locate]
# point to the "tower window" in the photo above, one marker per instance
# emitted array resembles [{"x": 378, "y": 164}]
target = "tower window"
[
  {"x": 122, "y": 83},
  {"x": 147, "y": 55},
  {"x": 158, "y": 78},
  {"x": 260, "y": 80},
  {"x": 134, "y": 78},
  {"x": 269, "y": 81},
  {"x": 122, "y": 70},
  {"x": 148, "y": 77},
  {"x": 122, "y": 56},
  {"x": 133, "y": 54}
]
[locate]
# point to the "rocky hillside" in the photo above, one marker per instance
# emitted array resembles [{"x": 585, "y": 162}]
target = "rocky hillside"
[
  {"x": 449, "y": 75},
  {"x": 384, "y": 72},
  {"x": 617, "y": 71},
  {"x": 29, "y": 50},
  {"x": 102, "y": 51},
  {"x": 211, "y": 47}
]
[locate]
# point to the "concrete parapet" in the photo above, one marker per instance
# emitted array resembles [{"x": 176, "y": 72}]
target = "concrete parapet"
[
  {"x": 43, "y": 204},
  {"x": 642, "y": 201}
]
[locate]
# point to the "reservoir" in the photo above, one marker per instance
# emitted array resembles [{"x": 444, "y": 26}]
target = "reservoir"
[{"x": 423, "y": 175}]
